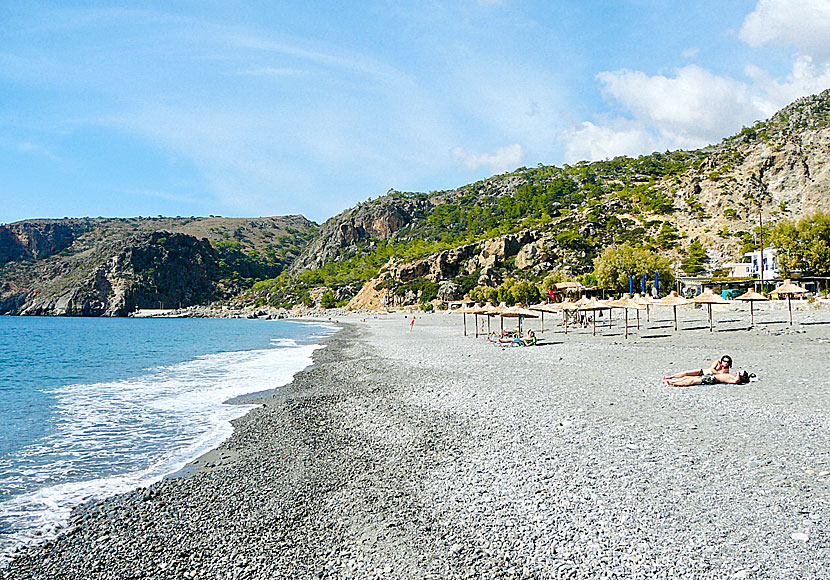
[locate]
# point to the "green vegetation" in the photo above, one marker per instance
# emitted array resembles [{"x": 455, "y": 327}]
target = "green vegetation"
[
  {"x": 804, "y": 246},
  {"x": 614, "y": 266},
  {"x": 694, "y": 261}
]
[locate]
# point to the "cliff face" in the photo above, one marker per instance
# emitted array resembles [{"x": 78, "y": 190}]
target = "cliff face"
[
  {"x": 33, "y": 240},
  {"x": 342, "y": 235},
  {"x": 113, "y": 267}
]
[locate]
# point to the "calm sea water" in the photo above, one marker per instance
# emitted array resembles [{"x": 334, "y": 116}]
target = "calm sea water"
[{"x": 90, "y": 407}]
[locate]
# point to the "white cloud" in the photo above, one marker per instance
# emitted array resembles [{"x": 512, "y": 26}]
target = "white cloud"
[
  {"x": 804, "y": 24},
  {"x": 501, "y": 160},
  {"x": 694, "y": 106},
  {"x": 690, "y": 53},
  {"x": 621, "y": 137}
]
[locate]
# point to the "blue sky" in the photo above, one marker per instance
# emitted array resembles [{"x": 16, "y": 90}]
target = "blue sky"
[{"x": 266, "y": 108}]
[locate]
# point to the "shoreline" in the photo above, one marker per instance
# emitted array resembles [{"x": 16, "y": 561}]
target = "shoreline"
[{"x": 427, "y": 454}]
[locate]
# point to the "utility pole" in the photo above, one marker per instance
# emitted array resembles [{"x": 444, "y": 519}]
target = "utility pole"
[{"x": 757, "y": 183}]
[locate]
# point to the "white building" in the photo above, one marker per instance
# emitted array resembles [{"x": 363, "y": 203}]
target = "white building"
[{"x": 770, "y": 264}]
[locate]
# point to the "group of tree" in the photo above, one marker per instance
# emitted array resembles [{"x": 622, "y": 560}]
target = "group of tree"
[{"x": 803, "y": 246}]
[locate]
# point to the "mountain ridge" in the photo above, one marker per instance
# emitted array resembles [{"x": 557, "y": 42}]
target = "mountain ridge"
[{"x": 525, "y": 223}]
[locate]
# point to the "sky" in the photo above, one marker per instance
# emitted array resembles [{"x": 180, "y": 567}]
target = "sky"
[{"x": 274, "y": 108}]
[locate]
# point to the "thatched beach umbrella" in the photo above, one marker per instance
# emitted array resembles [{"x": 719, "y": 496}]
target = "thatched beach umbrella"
[
  {"x": 465, "y": 310},
  {"x": 644, "y": 300},
  {"x": 566, "y": 307},
  {"x": 520, "y": 313},
  {"x": 752, "y": 297},
  {"x": 594, "y": 305},
  {"x": 788, "y": 289},
  {"x": 674, "y": 301},
  {"x": 708, "y": 297},
  {"x": 627, "y": 302},
  {"x": 541, "y": 309},
  {"x": 489, "y": 310}
]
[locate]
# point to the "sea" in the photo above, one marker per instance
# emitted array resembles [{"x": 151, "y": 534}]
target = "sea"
[{"x": 93, "y": 407}]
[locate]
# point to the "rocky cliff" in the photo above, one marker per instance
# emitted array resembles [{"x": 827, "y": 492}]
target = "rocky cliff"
[{"x": 104, "y": 267}]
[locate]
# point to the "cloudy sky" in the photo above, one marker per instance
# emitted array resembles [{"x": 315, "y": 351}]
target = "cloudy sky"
[{"x": 269, "y": 108}]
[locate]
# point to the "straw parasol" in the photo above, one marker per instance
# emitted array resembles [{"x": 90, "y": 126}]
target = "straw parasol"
[
  {"x": 674, "y": 301},
  {"x": 627, "y": 302},
  {"x": 647, "y": 301},
  {"x": 752, "y": 297},
  {"x": 465, "y": 310},
  {"x": 788, "y": 289},
  {"x": 541, "y": 309},
  {"x": 594, "y": 305},
  {"x": 520, "y": 313},
  {"x": 708, "y": 297},
  {"x": 565, "y": 307},
  {"x": 485, "y": 310}
]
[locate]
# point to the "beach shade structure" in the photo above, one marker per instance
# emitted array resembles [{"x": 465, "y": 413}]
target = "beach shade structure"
[
  {"x": 708, "y": 297},
  {"x": 465, "y": 310},
  {"x": 674, "y": 301},
  {"x": 788, "y": 289},
  {"x": 489, "y": 310},
  {"x": 520, "y": 313},
  {"x": 594, "y": 305},
  {"x": 566, "y": 307},
  {"x": 627, "y": 302},
  {"x": 541, "y": 309},
  {"x": 752, "y": 297},
  {"x": 643, "y": 300}
]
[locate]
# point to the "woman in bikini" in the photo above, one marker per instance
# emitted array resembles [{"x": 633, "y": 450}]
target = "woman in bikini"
[
  {"x": 721, "y": 378},
  {"x": 722, "y": 365}
]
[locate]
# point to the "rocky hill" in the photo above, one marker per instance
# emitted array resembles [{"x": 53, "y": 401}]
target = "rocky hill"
[
  {"x": 523, "y": 224},
  {"x": 541, "y": 219},
  {"x": 94, "y": 267}
]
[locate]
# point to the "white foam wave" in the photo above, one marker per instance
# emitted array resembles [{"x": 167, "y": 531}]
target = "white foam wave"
[{"x": 113, "y": 437}]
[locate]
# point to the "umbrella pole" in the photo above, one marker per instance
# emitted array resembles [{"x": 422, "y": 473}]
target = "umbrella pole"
[
  {"x": 565, "y": 316},
  {"x": 710, "y": 318},
  {"x": 752, "y": 312},
  {"x": 594, "y": 319},
  {"x": 648, "y": 313},
  {"x": 638, "y": 320},
  {"x": 610, "y": 317},
  {"x": 476, "y": 316},
  {"x": 465, "y": 323},
  {"x": 790, "y": 308},
  {"x": 675, "y": 317},
  {"x": 488, "y": 325},
  {"x": 543, "y": 322},
  {"x": 502, "y": 325},
  {"x": 626, "y": 323}
]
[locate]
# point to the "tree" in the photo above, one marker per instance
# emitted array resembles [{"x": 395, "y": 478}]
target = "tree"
[
  {"x": 525, "y": 293},
  {"x": 447, "y": 290},
  {"x": 805, "y": 245},
  {"x": 693, "y": 263},
  {"x": 327, "y": 300},
  {"x": 614, "y": 266}
]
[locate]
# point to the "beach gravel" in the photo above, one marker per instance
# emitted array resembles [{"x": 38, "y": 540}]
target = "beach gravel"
[{"x": 427, "y": 454}]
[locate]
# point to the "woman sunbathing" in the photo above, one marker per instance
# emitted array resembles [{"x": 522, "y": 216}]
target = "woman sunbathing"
[
  {"x": 718, "y": 378},
  {"x": 721, "y": 365}
]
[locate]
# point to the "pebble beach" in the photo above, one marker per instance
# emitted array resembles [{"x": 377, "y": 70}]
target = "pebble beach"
[{"x": 418, "y": 452}]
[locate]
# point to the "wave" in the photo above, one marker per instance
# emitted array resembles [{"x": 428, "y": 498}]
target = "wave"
[{"x": 109, "y": 438}]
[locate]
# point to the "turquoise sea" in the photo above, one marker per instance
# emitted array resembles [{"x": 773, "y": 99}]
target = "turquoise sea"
[{"x": 91, "y": 407}]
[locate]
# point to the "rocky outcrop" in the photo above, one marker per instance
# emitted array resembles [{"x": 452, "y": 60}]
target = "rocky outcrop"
[
  {"x": 367, "y": 222},
  {"x": 37, "y": 239},
  {"x": 150, "y": 271},
  {"x": 111, "y": 267}
]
